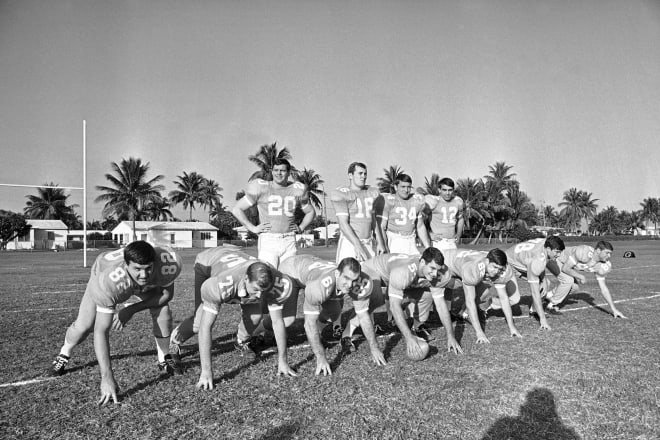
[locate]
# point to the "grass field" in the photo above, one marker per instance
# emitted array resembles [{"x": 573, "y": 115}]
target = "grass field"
[{"x": 591, "y": 377}]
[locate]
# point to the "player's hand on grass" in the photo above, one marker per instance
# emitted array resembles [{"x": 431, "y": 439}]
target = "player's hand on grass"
[
  {"x": 545, "y": 326},
  {"x": 108, "y": 390},
  {"x": 284, "y": 369},
  {"x": 482, "y": 339},
  {"x": 515, "y": 333},
  {"x": 378, "y": 357},
  {"x": 205, "y": 381},
  {"x": 323, "y": 367},
  {"x": 453, "y": 345},
  {"x": 617, "y": 314}
]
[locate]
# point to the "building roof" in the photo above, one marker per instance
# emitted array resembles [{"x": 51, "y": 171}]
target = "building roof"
[
  {"x": 47, "y": 224},
  {"x": 169, "y": 226}
]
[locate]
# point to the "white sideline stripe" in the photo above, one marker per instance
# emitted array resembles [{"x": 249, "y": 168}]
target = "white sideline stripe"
[
  {"x": 54, "y": 291},
  {"x": 59, "y": 309},
  {"x": 26, "y": 382},
  {"x": 634, "y": 267}
]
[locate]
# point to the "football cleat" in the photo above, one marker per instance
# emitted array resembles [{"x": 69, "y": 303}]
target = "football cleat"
[
  {"x": 337, "y": 331},
  {"x": 170, "y": 366},
  {"x": 423, "y": 332},
  {"x": 386, "y": 328},
  {"x": 246, "y": 349},
  {"x": 59, "y": 365},
  {"x": 175, "y": 352},
  {"x": 347, "y": 346}
]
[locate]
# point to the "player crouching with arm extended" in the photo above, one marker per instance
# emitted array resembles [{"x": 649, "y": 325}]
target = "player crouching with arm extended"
[
  {"x": 325, "y": 287},
  {"x": 419, "y": 281},
  {"x": 255, "y": 286},
  {"x": 139, "y": 270},
  {"x": 576, "y": 259},
  {"x": 478, "y": 272},
  {"x": 528, "y": 260}
]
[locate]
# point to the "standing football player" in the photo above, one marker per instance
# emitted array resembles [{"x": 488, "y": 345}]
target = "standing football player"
[
  {"x": 445, "y": 213},
  {"x": 276, "y": 202},
  {"x": 138, "y": 270},
  {"x": 354, "y": 206}
]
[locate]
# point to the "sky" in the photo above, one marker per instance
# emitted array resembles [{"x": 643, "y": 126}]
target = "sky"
[{"x": 568, "y": 92}]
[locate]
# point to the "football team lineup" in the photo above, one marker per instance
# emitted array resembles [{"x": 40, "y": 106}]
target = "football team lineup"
[{"x": 378, "y": 267}]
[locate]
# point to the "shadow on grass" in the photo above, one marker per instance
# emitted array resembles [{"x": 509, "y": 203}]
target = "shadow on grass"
[
  {"x": 587, "y": 298},
  {"x": 286, "y": 431},
  {"x": 537, "y": 419}
]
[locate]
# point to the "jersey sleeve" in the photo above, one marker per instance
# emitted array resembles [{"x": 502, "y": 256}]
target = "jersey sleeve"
[
  {"x": 473, "y": 273},
  {"x": 110, "y": 289},
  {"x": 254, "y": 190},
  {"x": 400, "y": 278},
  {"x": 383, "y": 206},
  {"x": 302, "y": 195},
  {"x": 216, "y": 291},
  {"x": 315, "y": 296},
  {"x": 340, "y": 198},
  {"x": 460, "y": 205},
  {"x": 602, "y": 269}
]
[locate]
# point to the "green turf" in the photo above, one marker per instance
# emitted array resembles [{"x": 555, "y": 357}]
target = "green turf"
[{"x": 591, "y": 377}]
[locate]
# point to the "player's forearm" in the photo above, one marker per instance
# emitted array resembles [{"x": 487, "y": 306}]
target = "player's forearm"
[
  {"x": 471, "y": 306},
  {"x": 399, "y": 317},
  {"x": 460, "y": 226},
  {"x": 443, "y": 313},
  {"x": 243, "y": 219},
  {"x": 102, "y": 343},
  {"x": 506, "y": 307},
  {"x": 313, "y": 336},
  {"x": 605, "y": 292},
  {"x": 307, "y": 220},
  {"x": 280, "y": 337},
  {"x": 368, "y": 328},
  {"x": 158, "y": 298},
  {"x": 538, "y": 302},
  {"x": 204, "y": 341},
  {"x": 423, "y": 234}
]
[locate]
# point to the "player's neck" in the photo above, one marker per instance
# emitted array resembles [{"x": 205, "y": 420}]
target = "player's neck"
[{"x": 355, "y": 187}]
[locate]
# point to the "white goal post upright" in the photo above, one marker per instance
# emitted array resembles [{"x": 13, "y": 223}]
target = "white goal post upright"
[{"x": 83, "y": 188}]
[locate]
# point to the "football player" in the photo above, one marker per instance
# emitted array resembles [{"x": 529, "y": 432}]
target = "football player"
[
  {"x": 478, "y": 272},
  {"x": 419, "y": 281},
  {"x": 528, "y": 260},
  {"x": 235, "y": 278},
  {"x": 276, "y": 202},
  {"x": 577, "y": 259},
  {"x": 326, "y": 285},
  {"x": 445, "y": 214},
  {"x": 138, "y": 270},
  {"x": 354, "y": 206}
]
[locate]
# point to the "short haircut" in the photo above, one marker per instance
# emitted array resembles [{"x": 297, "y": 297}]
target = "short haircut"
[
  {"x": 604, "y": 245},
  {"x": 351, "y": 263},
  {"x": 403, "y": 178},
  {"x": 279, "y": 161},
  {"x": 262, "y": 273},
  {"x": 139, "y": 252},
  {"x": 351, "y": 167},
  {"x": 497, "y": 256},
  {"x": 447, "y": 181},
  {"x": 555, "y": 243},
  {"x": 433, "y": 254}
]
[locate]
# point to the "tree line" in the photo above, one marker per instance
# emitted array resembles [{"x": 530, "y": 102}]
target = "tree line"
[{"x": 495, "y": 204}]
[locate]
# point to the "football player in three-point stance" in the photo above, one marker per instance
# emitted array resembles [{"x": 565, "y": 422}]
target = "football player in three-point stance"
[
  {"x": 326, "y": 285},
  {"x": 529, "y": 260},
  {"x": 576, "y": 259},
  {"x": 138, "y": 270}
]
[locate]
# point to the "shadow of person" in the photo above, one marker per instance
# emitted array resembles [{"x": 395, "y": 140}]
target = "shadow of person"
[{"x": 538, "y": 419}]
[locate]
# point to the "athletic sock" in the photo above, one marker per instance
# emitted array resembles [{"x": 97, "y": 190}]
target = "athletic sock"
[{"x": 162, "y": 347}]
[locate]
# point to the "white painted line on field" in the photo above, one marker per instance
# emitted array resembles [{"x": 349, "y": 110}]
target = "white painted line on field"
[
  {"x": 54, "y": 309},
  {"x": 48, "y": 292},
  {"x": 26, "y": 382},
  {"x": 634, "y": 267}
]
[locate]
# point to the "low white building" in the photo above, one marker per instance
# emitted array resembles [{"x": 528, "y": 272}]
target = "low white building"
[
  {"x": 43, "y": 234},
  {"x": 172, "y": 234}
]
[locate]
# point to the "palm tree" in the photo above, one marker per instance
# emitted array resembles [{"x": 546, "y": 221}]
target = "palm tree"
[
  {"x": 50, "y": 204},
  {"x": 212, "y": 196},
  {"x": 606, "y": 222},
  {"x": 651, "y": 211},
  {"x": 498, "y": 176},
  {"x": 475, "y": 207},
  {"x": 264, "y": 159},
  {"x": 190, "y": 190},
  {"x": 314, "y": 184},
  {"x": 158, "y": 209},
  {"x": 522, "y": 210},
  {"x": 130, "y": 190},
  {"x": 431, "y": 186},
  {"x": 386, "y": 184},
  {"x": 577, "y": 204},
  {"x": 550, "y": 216}
]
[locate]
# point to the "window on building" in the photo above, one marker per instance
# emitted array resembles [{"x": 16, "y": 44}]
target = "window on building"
[
  {"x": 172, "y": 239},
  {"x": 206, "y": 235}
]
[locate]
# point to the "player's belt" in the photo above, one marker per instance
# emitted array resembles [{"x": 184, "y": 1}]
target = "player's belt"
[
  {"x": 412, "y": 234},
  {"x": 279, "y": 235}
]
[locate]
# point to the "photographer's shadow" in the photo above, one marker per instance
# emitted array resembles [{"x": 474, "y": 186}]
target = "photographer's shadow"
[{"x": 537, "y": 419}]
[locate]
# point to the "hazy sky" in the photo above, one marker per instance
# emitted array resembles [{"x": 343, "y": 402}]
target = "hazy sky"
[{"x": 568, "y": 92}]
